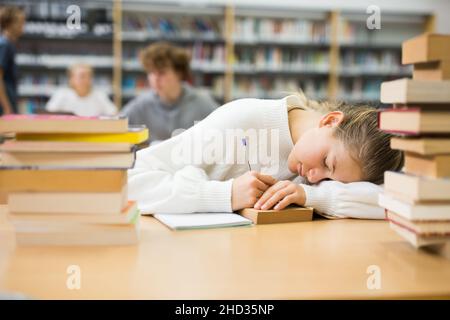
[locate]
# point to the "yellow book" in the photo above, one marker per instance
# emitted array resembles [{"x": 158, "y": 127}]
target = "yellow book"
[{"x": 135, "y": 135}]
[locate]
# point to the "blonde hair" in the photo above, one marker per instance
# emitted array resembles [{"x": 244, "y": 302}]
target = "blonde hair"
[
  {"x": 368, "y": 145},
  {"x": 79, "y": 65}
]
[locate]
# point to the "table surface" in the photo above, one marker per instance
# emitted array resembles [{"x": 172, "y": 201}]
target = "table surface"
[{"x": 320, "y": 259}]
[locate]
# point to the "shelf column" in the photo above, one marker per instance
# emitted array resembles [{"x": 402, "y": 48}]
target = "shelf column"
[
  {"x": 333, "y": 77},
  {"x": 229, "y": 53},
  {"x": 430, "y": 23},
  {"x": 117, "y": 52}
]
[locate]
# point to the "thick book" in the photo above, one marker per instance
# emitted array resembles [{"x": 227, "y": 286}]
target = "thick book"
[
  {"x": 412, "y": 188},
  {"x": 127, "y": 215},
  {"x": 423, "y": 146},
  {"x": 134, "y": 135},
  {"x": 76, "y": 234},
  {"x": 413, "y": 121},
  {"x": 101, "y": 160},
  {"x": 433, "y": 71},
  {"x": 418, "y": 211},
  {"x": 417, "y": 240},
  {"x": 289, "y": 214},
  {"x": 186, "y": 221},
  {"x": 21, "y": 123},
  {"x": 32, "y": 179},
  {"x": 415, "y": 91},
  {"x": 99, "y": 203},
  {"x": 56, "y": 146},
  {"x": 421, "y": 227},
  {"x": 427, "y": 47},
  {"x": 437, "y": 166}
]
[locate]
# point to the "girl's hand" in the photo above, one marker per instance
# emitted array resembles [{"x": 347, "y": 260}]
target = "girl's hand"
[
  {"x": 280, "y": 195},
  {"x": 247, "y": 189}
]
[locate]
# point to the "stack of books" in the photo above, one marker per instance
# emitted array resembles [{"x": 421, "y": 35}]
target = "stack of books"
[
  {"x": 417, "y": 200},
  {"x": 66, "y": 179}
]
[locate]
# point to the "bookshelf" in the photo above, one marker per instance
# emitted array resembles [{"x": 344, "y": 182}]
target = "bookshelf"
[
  {"x": 237, "y": 51},
  {"x": 267, "y": 52},
  {"x": 369, "y": 57},
  {"x": 198, "y": 29}
]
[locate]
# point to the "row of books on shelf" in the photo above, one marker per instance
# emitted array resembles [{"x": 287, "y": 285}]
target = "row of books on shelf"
[
  {"x": 63, "y": 60},
  {"x": 359, "y": 90},
  {"x": 417, "y": 200},
  {"x": 267, "y": 87},
  {"x": 386, "y": 60},
  {"x": 131, "y": 85},
  {"x": 278, "y": 58},
  {"x": 50, "y": 47},
  {"x": 84, "y": 163},
  {"x": 356, "y": 33},
  {"x": 60, "y": 29},
  {"x": 352, "y": 32},
  {"x": 31, "y": 104},
  {"x": 147, "y": 27},
  {"x": 249, "y": 29},
  {"x": 49, "y": 90},
  {"x": 54, "y": 80}
]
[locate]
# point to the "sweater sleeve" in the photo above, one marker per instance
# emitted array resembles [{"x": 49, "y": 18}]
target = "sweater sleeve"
[
  {"x": 345, "y": 200},
  {"x": 162, "y": 181}
]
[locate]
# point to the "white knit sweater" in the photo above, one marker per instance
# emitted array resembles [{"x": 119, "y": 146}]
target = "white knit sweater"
[{"x": 175, "y": 177}]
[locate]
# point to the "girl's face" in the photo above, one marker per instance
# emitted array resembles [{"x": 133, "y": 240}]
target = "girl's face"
[{"x": 318, "y": 155}]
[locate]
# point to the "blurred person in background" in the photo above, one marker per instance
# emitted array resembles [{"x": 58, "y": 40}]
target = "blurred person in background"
[
  {"x": 12, "y": 21},
  {"x": 80, "y": 98},
  {"x": 172, "y": 103}
]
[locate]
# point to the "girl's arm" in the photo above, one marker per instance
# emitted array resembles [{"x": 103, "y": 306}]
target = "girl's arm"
[
  {"x": 345, "y": 200},
  {"x": 163, "y": 181},
  {"x": 159, "y": 185},
  {"x": 331, "y": 198}
]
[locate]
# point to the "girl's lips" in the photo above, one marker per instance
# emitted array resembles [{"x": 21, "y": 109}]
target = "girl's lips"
[{"x": 299, "y": 169}]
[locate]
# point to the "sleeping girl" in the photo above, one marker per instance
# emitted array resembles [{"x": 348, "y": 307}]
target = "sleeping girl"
[{"x": 269, "y": 154}]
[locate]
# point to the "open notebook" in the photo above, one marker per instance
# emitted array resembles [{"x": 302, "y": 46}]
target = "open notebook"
[{"x": 186, "y": 221}]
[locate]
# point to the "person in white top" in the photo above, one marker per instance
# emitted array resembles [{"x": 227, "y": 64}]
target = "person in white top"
[
  {"x": 269, "y": 154},
  {"x": 81, "y": 98}
]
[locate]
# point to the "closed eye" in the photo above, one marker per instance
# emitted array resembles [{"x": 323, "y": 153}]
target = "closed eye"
[{"x": 325, "y": 163}]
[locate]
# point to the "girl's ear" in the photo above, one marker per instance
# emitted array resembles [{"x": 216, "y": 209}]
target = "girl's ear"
[{"x": 331, "y": 119}]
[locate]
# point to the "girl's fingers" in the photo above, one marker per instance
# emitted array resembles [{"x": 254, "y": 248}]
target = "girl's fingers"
[
  {"x": 267, "y": 194},
  {"x": 269, "y": 180},
  {"x": 261, "y": 185},
  {"x": 279, "y": 195},
  {"x": 285, "y": 202}
]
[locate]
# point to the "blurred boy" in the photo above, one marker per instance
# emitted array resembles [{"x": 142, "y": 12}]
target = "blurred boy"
[{"x": 171, "y": 103}]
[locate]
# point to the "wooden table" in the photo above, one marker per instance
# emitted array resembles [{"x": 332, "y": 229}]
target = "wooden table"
[{"x": 317, "y": 259}]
